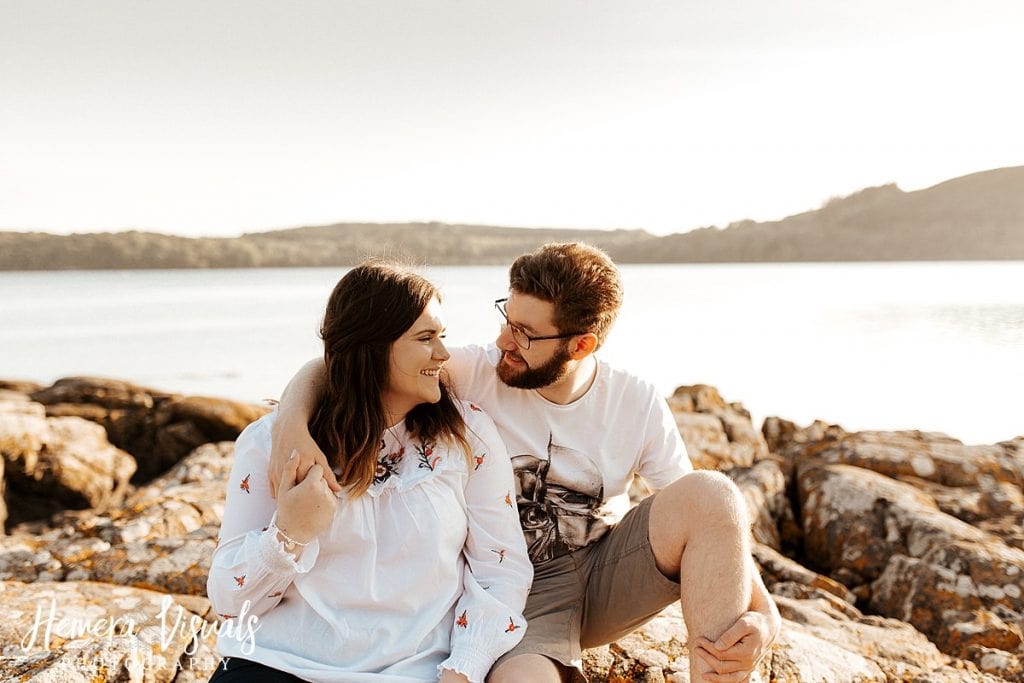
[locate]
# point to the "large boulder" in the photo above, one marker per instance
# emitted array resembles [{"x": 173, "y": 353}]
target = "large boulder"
[
  {"x": 764, "y": 488},
  {"x": 162, "y": 537},
  {"x": 3, "y": 499},
  {"x": 855, "y": 520},
  {"x": 822, "y": 643},
  {"x": 718, "y": 435},
  {"x": 777, "y": 569},
  {"x": 888, "y": 541},
  {"x": 19, "y": 386},
  {"x": 158, "y": 428},
  {"x": 925, "y": 455},
  {"x": 81, "y": 631},
  {"x": 993, "y": 506},
  {"x": 818, "y": 642},
  {"x": 985, "y": 500},
  {"x": 53, "y": 463},
  {"x": 961, "y": 595},
  {"x": 189, "y": 496},
  {"x": 99, "y": 391},
  {"x": 172, "y": 565}
]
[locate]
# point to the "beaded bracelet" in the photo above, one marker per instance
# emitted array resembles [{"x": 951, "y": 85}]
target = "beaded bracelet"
[{"x": 289, "y": 542}]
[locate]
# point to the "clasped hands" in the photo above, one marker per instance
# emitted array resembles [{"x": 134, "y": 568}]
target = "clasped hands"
[
  {"x": 305, "y": 502},
  {"x": 734, "y": 655}
]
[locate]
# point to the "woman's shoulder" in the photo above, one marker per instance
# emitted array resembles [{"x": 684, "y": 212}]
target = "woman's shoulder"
[
  {"x": 257, "y": 434},
  {"x": 472, "y": 411},
  {"x": 478, "y": 423}
]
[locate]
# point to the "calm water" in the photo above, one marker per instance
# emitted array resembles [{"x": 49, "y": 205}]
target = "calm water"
[{"x": 927, "y": 346}]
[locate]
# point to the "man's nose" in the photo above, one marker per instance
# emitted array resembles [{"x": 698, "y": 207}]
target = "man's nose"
[{"x": 505, "y": 340}]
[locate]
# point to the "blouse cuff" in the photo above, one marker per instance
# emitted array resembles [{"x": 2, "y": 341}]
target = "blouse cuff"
[
  {"x": 472, "y": 664},
  {"x": 280, "y": 561}
]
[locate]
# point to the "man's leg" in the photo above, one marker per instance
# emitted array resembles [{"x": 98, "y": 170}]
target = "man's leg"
[
  {"x": 529, "y": 667},
  {"x": 699, "y": 531},
  {"x": 550, "y": 650}
]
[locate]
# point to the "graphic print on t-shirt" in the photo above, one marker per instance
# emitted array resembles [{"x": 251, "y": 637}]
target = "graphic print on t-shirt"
[{"x": 559, "y": 497}]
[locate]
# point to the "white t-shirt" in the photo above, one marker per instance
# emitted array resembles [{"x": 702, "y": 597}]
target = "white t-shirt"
[
  {"x": 427, "y": 569},
  {"x": 574, "y": 463}
]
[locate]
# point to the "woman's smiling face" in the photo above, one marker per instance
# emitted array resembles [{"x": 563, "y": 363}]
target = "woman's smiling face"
[{"x": 415, "y": 364}]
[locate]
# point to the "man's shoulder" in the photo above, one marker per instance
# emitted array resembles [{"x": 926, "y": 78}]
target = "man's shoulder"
[
  {"x": 260, "y": 428},
  {"x": 621, "y": 381}
]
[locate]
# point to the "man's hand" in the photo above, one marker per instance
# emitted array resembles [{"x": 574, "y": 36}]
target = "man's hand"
[
  {"x": 735, "y": 654},
  {"x": 287, "y": 436}
]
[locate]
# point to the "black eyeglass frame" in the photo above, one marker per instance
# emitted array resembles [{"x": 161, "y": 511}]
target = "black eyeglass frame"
[{"x": 517, "y": 330}]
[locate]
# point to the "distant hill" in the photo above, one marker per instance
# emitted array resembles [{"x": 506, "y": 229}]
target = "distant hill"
[
  {"x": 974, "y": 217},
  {"x": 329, "y": 245}
]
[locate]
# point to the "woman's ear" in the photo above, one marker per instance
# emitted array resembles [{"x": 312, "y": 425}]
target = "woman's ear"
[{"x": 582, "y": 346}]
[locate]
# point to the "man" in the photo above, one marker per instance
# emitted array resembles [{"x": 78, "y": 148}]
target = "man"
[{"x": 578, "y": 431}]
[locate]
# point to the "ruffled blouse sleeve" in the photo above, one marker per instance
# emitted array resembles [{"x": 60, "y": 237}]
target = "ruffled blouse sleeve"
[
  {"x": 250, "y": 569},
  {"x": 488, "y": 617}
]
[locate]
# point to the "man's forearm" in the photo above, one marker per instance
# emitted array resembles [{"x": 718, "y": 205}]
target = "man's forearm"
[{"x": 303, "y": 392}]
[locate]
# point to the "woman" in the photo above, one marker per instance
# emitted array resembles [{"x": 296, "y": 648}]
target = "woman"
[{"x": 418, "y": 570}]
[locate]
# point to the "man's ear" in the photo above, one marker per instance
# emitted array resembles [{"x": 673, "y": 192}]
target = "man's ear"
[{"x": 582, "y": 346}]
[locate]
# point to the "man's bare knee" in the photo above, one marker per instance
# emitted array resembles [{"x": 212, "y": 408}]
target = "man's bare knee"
[
  {"x": 704, "y": 497},
  {"x": 703, "y": 505},
  {"x": 528, "y": 667}
]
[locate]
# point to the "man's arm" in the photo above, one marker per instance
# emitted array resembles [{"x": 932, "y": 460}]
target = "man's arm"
[{"x": 291, "y": 428}]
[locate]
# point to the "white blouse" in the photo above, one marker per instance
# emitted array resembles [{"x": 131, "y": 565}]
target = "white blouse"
[{"x": 427, "y": 570}]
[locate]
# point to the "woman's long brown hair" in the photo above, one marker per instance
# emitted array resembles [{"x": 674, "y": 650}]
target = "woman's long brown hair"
[{"x": 371, "y": 307}]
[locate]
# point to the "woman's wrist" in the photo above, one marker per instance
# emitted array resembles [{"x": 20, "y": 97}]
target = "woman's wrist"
[{"x": 290, "y": 534}]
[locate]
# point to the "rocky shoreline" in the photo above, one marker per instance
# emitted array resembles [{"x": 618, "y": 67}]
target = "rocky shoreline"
[{"x": 893, "y": 556}]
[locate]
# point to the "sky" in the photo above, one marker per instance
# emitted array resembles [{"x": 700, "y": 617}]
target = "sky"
[{"x": 217, "y": 118}]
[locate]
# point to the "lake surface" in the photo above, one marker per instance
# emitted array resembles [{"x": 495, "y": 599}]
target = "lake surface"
[{"x": 931, "y": 346}]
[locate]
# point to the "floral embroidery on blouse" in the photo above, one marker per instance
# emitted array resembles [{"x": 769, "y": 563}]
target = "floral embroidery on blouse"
[
  {"x": 475, "y": 408},
  {"x": 500, "y": 554},
  {"x": 508, "y": 499},
  {"x": 462, "y": 620},
  {"x": 387, "y": 465},
  {"x": 240, "y": 580},
  {"x": 427, "y": 458},
  {"x": 245, "y": 483},
  {"x": 479, "y": 460},
  {"x": 512, "y": 626}
]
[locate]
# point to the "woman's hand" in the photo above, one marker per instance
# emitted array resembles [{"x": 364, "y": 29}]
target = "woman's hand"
[
  {"x": 449, "y": 676},
  {"x": 305, "y": 505}
]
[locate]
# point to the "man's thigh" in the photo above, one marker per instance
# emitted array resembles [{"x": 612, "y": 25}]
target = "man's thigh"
[
  {"x": 625, "y": 589},
  {"x": 552, "y": 612}
]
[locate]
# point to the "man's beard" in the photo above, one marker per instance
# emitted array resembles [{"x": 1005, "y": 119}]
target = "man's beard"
[{"x": 536, "y": 378}]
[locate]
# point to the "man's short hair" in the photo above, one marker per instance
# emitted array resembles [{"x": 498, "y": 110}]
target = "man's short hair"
[{"x": 579, "y": 279}]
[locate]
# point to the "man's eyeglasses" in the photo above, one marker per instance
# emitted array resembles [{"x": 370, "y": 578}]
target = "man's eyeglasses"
[{"x": 519, "y": 335}]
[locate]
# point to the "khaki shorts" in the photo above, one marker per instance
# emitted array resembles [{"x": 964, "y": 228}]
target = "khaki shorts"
[{"x": 595, "y": 595}]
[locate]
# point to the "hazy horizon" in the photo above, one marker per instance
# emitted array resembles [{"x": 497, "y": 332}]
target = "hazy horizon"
[
  {"x": 221, "y": 234},
  {"x": 214, "y": 119}
]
